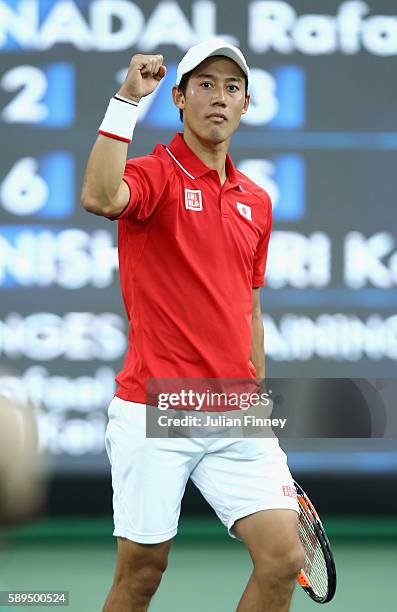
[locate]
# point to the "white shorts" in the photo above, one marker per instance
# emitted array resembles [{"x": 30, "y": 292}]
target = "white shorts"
[{"x": 237, "y": 476}]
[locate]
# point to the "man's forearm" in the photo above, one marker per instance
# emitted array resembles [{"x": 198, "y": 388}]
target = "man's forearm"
[
  {"x": 257, "y": 350},
  {"x": 105, "y": 170},
  {"x": 104, "y": 173}
]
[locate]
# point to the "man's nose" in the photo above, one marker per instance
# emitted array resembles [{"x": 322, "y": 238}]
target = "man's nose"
[{"x": 219, "y": 95}]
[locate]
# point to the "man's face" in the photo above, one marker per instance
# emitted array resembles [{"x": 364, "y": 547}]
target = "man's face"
[{"x": 215, "y": 99}]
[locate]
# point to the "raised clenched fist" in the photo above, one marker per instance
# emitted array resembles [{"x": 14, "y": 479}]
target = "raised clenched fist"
[{"x": 144, "y": 74}]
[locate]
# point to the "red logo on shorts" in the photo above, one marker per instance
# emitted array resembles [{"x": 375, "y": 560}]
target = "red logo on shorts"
[{"x": 289, "y": 491}]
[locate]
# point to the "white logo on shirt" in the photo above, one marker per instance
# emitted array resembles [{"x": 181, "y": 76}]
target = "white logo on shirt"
[
  {"x": 193, "y": 199},
  {"x": 244, "y": 210}
]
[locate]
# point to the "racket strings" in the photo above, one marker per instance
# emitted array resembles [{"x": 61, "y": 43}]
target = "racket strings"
[{"x": 315, "y": 566}]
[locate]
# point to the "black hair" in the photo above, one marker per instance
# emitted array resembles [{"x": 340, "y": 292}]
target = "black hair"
[
  {"x": 182, "y": 88},
  {"x": 183, "y": 85}
]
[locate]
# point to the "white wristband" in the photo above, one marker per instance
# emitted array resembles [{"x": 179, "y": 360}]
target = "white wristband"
[{"x": 120, "y": 119}]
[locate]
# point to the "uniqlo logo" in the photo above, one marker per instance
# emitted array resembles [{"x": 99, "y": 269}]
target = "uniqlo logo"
[
  {"x": 244, "y": 210},
  {"x": 289, "y": 491},
  {"x": 193, "y": 199}
]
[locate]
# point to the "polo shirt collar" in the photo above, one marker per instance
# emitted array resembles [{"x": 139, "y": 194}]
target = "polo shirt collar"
[{"x": 192, "y": 165}]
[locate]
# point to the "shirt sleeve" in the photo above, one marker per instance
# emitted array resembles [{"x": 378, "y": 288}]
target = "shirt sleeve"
[
  {"x": 258, "y": 275},
  {"x": 147, "y": 178}
]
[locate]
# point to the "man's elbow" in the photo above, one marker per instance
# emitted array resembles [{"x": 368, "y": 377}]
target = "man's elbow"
[
  {"x": 95, "y": 206},
  {"x": 257, "y": 318}
]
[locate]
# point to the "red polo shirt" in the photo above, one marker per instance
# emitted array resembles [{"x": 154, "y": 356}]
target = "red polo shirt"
[{"x": 190, "y": 252}]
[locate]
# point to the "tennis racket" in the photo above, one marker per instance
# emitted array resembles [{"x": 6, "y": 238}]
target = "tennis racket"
[{"x": 318, "y": 574}]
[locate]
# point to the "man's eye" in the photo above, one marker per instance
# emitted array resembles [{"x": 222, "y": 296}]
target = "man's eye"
[
  {"x": 233, "y": 87},
  {"x": 206, "y": 84}
]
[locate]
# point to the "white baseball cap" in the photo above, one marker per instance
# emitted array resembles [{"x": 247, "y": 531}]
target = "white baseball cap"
[{"x": 214, "y": 46}]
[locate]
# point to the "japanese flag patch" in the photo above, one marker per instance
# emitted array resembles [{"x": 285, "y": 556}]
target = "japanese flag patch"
[{"x": 244, "y": 210}]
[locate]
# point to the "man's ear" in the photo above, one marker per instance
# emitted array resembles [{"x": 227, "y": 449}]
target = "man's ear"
[
  {"x": 246, "y": 104},
  {"x": 178, "y": 97}
]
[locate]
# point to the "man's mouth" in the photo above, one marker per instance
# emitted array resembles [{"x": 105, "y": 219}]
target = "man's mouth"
[{"x": 217, "y": 117}]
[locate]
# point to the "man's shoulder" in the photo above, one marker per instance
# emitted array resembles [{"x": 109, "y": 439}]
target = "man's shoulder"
[
  {"x": 155, "y": 160},
  {"x": 248, "y": 185}
]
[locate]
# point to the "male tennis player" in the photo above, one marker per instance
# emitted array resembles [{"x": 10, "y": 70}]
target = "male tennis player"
[{"x": 193, "y": 238}]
